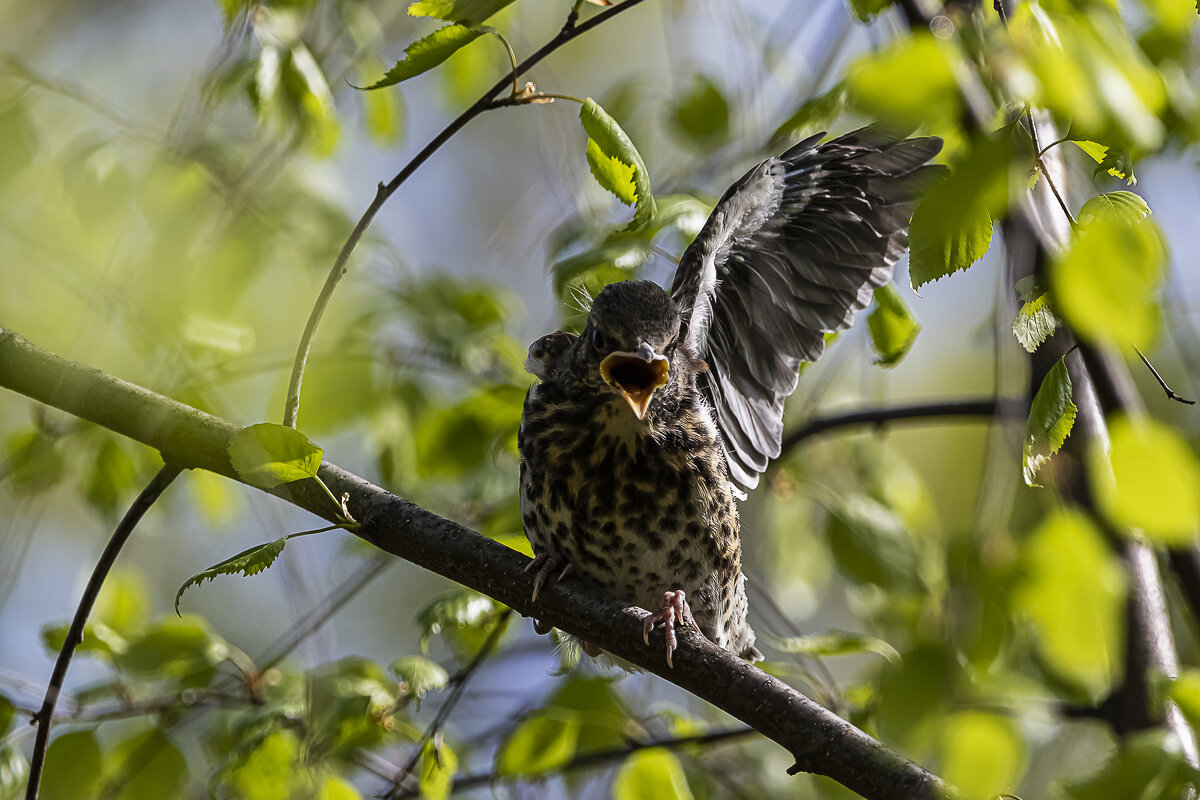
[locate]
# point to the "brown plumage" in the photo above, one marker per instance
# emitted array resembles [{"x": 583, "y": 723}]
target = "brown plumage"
[{"x": 645, "y": 428}]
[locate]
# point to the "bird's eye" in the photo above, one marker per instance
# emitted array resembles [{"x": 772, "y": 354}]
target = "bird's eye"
[{"x": 598, "y": 340}]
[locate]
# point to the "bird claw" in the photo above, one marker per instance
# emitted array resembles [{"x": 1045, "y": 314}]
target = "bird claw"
[
  {"x": 674, "y": 610},
  {"x": 546, "y": 564}
]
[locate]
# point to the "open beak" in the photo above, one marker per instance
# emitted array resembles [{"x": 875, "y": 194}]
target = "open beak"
[{"x": 636, "y": 375}]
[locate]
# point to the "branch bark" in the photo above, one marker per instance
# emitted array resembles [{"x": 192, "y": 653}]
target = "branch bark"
[{"x": 821, "y": 742}]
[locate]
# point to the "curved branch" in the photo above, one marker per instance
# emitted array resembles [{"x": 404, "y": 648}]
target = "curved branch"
[
  {"x": 820, "y": 741},
  {"x": 569, "y": 31},
  {"x": 158, "y": 484},
  {"x": 992, "y": 407}
]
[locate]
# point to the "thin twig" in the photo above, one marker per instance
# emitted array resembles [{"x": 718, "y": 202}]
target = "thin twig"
[
  {"x": 443, "y": 713},
  {"x": 602, "y": 757},
  {"x": 1170, "y": 394},
  {"x": 158, "y": 484},
  {"x": 1010, "y": 408},
  {"x": 384, "y": 191}
]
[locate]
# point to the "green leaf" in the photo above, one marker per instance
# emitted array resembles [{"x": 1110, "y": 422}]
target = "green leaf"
[
  {"x": 18, "y": 139},
  {"x": 33, "y": 463},
  {"x": 1093, "y": 149},
  {"x": 247, "y": 563},
  {"x": 1117, "y": 164},
  {"x": 112, "y": 476},
  {"x": 1105, "y": 285},
  {"x": 1185, "y": 691},
  {"x": 421, "y": 675},
  {"x": 907, "y": 84},
  {"x": 425, "y": 54},
  {"x": 1149, "y": 481},
  {"x": 701, "y": 115},
  {"x": 837, "y": 643},
  {"x": 865, "y": 10},
  {"x": 462, "y": 613},
  {"x": 465, "y": 12},
  {"x": 982, "y": 754},
  {"x": 267, "y": 455},
  {"x": 1073, "y": 594},
  {"x": 73, "y": 764},
  {"x": 651, "y": 774},
  {"x": 627, "y": 256},
  {"x": 870, "y": 543},
  {"x": 149, "y": 767},
  {"x": 97, "y": 638},
  {"x": 383, "y": 112},
  {"x": 1114, "y": 205},
  {"x": 813, "y": 115},
  {"x": 182, "y": 650},
  {"x": 1149, "y": 765},
  {"x": 14, "y": 772},
  {"x": 7, "y": 712},
  {"x": 952, "y": 227},
  {"x": 540, "y": 744},
  {"x": 1035, "y": 322},
  {"x": 613, "y": 145},
  {"x": 893, "y": 327},
  {"x": 1051, "y": 416},
  {"x": 436, "y": 771},
  {"x": 612, "y": 173}
]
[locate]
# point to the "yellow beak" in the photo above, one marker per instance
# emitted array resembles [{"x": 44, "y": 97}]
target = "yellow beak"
[{"x": 636, "y": 375}]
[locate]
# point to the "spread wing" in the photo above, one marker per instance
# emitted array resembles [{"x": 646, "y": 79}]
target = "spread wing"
[{"x": 790, "y": 253}]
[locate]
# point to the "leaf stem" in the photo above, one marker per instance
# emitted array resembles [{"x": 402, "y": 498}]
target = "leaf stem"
[
  {"x": 158, "y": 484},
  {"x": 512, "y": 56},
  {"x": 486, "y": 102}
]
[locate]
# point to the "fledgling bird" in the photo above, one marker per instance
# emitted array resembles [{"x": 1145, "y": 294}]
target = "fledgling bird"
[{"x": 645, "y": 428}]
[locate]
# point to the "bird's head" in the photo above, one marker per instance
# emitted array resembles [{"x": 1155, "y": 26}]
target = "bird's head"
[{"x": 631, "y": 340}]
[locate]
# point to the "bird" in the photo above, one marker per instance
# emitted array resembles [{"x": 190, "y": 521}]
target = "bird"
[{"x": 643, "y": 431}]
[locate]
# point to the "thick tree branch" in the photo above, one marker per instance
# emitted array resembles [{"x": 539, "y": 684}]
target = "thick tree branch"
[{"x": 821, "y": 742}]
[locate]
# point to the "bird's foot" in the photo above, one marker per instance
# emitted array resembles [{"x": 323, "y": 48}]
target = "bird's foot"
[
  {"x": 674, "y": 610},
  {"x": 546, "y": 564}
]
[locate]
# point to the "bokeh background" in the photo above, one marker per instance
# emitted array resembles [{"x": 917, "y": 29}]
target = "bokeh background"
[{"x": 169, "y": 209}]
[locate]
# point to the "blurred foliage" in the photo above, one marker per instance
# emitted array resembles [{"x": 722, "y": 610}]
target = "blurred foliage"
[{"x": 184, "y": 255}]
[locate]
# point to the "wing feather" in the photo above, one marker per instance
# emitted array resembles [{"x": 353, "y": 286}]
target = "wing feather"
[{"x": 792, "y": 251}]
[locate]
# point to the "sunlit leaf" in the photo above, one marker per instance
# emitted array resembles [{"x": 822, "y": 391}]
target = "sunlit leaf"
[
  {"x": 1185, "y": 691},
  {"x": 1106, "y": 283},
  {"x": 335, "y": 788},
  {"x": 466, "y": 12},
  {"x": 983, "y": 755},
  {"x": 836, "y": 643},
  {"x": 72, "y": 767},
  {"x": 814, "y": 115},
  {"x": 614, "y": 145},
  {"x": 870, "y": 543},
  {"x": 865, "y": 10},
  {"x": 1035, "y": 322},
  {"x": 124, "y": 602},
  {"x": 455, "y": 612},
  {"x": 148, "y": 766},
  {"x": 436, "y": 771},
  {"x": 952, "y": 227},
  {"x": 1051, "y": 416},
  {"x": 893, "y": 327},
  {"x": 383, "y": 112},
  {"x": 1149, "y": 481},
  {"x": 184, "y": 650},
  {"x": 14, "y": 771},
  {"x": 267, "y": 455},
  {"x": 1149, "y": 765},
  {"x": 540, "y": 744},
  {"x": 1073, "y": 594},
  {"x": 421, "y": 674},
  {"x": 97, "y": 638},
  {"x": 248, "y": 562},
  {"x": 907, "y": 84},
  {"x": 425, "y": 54},
  {"x": 1117, "y": 163},
  {"x": 1094, "y": 150},
  {"x": 651, "y": 774},
  {"x": 1114, "y": 205},
  {"x": 612, "y": 173},
  {"x": 701, "y": 114},
  {"x": 266, "y": 769}
]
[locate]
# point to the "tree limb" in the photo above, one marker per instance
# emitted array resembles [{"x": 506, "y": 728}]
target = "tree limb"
[{"x": 821, "y": 742}]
